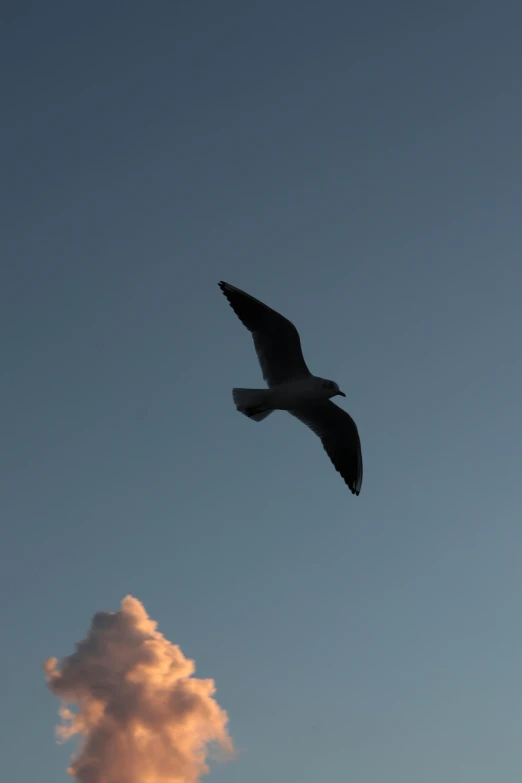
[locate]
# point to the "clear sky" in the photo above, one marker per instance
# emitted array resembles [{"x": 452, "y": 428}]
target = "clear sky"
[{"x": 358, "y": 167}]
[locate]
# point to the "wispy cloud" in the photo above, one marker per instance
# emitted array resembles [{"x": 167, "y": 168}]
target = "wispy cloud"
[{"x": 142, "y": 716}]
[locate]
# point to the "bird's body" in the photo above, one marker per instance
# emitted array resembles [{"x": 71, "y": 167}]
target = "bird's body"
[
  {"x": 305, "y": 391},
  {"x": 292, "y": 387}
]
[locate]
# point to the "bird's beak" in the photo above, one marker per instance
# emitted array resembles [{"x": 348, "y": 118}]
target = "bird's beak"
[{"x": 342, "y": 394}]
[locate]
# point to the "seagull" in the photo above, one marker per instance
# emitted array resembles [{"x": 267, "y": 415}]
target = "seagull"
[{"x": 293, "y": 388}]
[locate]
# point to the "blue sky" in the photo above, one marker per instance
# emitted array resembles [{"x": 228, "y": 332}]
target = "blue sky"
[{"x": 357, "y": 166}]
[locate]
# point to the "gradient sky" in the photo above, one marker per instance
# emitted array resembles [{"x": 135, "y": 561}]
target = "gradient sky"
[{"x": 357, "y": 166}]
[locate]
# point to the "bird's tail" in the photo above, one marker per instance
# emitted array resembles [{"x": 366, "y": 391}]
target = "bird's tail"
[{"x": 254, "y": 403}]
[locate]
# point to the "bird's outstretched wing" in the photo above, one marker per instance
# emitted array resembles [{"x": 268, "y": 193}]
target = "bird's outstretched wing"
[
  {"x": 276, "y": 339},
  {"x": 339, "y": 436}
]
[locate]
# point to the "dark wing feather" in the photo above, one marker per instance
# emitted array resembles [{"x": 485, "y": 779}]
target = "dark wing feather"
[
  {"x": 276, "y": 339},
  {"x": 339, "y": 436}
]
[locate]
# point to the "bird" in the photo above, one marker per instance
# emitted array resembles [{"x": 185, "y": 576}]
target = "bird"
[{"x": 292, "y": 387}]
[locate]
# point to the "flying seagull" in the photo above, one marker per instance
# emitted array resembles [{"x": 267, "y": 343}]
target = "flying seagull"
[{"x": 292, "y": 387}]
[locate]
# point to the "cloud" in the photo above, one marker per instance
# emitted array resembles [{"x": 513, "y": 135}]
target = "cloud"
[{"x": 142, "y": 716}]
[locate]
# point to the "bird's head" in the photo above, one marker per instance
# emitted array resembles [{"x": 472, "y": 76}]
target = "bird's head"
[{"x": 332, "y": 388}]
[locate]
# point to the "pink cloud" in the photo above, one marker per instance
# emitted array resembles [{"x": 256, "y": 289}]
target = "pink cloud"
[{"x": 142, "y": 716}]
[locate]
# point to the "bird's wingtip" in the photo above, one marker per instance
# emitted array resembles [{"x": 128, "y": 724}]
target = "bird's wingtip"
[{"x": 227, "y": 288}]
